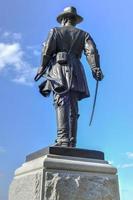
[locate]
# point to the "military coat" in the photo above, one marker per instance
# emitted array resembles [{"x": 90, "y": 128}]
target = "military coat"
[{"x": 70, "y": 76}]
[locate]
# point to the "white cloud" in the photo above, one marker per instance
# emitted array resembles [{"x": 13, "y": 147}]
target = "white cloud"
[
  {"x": 12, "y": 60},
  {"x": 35, "y": 49},
  {"x": 25, "y": 75},
  {"x": 130, "y": 165},
  {"x": 17, "y": 36},
  {"x": 127, "y": 165},
  {"x": 129, "y": 154},
  {"x": 111, "y": 162},
  {"x": 36, "y": 52},
  {"x": 6, "y": 34},
  {"x": 10, "y": 35},
  {"x": 10, "y": 54}
]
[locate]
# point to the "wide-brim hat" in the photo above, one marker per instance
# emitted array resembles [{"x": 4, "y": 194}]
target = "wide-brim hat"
[{"x": 70, "y": 12}]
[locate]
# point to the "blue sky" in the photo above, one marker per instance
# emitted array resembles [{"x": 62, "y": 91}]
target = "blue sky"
[{"x": 28, "y": 120}]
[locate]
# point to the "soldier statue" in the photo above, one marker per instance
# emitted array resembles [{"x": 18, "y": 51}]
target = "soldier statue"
[{"x": 64, "y": 73}]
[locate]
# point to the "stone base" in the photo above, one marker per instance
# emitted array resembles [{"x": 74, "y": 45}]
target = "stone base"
[
  {"x": 57, "y": 177},
  {"x": 65, "y": 151}
]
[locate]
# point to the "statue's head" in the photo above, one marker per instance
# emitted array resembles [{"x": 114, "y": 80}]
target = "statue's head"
[{"x": 69, "y": 15}]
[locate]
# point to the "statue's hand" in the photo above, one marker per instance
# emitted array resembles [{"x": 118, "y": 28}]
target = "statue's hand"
[
  {"x": 39, "y": 74},
  {"x": 97, "y": 73},
  {"x": 40, "y": 70}
]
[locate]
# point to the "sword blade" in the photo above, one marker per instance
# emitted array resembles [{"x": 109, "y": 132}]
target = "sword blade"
[{"x": 94, "y": 103}]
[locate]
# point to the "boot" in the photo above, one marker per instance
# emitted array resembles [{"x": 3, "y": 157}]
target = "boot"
[
  {"x": 62, "y": 143},
  {"x": 62, "y": 116},
  {"x": 73, "y": 131}
]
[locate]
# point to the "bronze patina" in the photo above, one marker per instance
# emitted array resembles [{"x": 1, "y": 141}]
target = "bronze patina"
[{"x": 64, "y": 73}]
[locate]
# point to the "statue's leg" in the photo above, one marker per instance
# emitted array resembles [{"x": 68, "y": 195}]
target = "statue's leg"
[
  {"x": 73, "y": 119},
  {"x": 62, "y": 107}
]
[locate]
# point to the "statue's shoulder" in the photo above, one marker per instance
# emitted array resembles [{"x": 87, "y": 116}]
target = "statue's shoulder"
[
  {"x": 73, "y": 29},
  {"x": 67, "y": 28},
  {"x": 57, "y": 28},
  {"x": 82, "y": 32},
  {"x": 78, "y": 29}
]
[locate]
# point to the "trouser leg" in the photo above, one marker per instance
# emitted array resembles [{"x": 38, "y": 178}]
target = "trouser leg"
[
  {"x": 73, "y": 119},
  {"x": 62, "y": 106}
]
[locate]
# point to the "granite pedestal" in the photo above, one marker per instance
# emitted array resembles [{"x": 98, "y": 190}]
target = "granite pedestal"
[{"x": 65, "y": 174}]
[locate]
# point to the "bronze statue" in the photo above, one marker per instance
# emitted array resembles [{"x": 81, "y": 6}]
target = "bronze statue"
[{"x": 64, "y": 72}]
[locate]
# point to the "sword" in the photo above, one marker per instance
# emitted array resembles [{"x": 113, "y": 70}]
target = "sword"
[{"x": 94, "y": 103}]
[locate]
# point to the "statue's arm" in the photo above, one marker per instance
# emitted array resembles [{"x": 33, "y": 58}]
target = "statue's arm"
[
  {"x": 93, "y": 57},
  {"x": 49, "y": 48}
]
